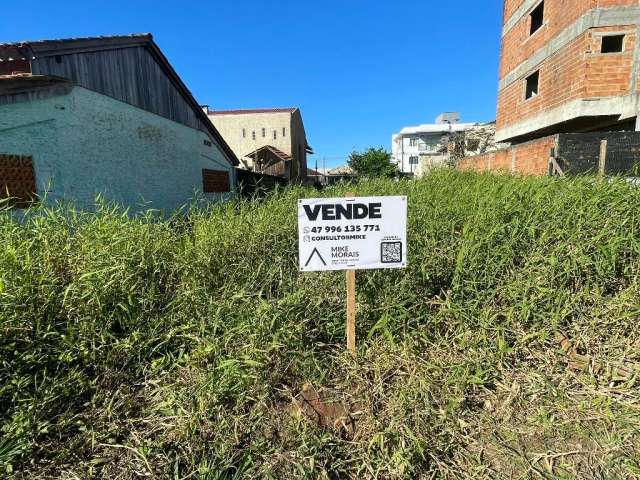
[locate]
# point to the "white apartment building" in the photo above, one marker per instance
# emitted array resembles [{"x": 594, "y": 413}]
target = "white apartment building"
[{"x": 415, "y": 149}]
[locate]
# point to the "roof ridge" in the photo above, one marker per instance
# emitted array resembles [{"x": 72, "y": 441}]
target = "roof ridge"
[
  {"x": 28, "y": 49},
  {"x": 253, "y": 110},
  {"x": 146, "y": 35}
]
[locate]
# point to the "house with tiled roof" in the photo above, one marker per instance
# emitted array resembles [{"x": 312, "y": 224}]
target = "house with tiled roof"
[{"x": 270, "y": 140}]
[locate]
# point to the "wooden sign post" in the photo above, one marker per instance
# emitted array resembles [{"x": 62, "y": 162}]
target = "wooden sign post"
[
  {"x": 351, "y": 305},
  {"x": 352, "y": 234},
  {"x": 351, "y": 311}
]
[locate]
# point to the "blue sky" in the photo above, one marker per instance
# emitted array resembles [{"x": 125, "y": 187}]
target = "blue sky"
[{"x": 359, "y": 69}]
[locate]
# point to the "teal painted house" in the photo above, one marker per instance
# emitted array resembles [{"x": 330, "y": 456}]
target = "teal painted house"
[{"x": 105, "y": 116}]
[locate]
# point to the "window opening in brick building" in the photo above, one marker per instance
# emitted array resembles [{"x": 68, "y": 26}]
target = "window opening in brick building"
[
  {"x": 275, "y": 134},
  {"x": 264, "y": 132},
  {"x": 244, "y": 133},
  {"x": 215, "y": 181},
  {"x": 253, "y": 135},
  {"x": 537, "y": 18},
  {"x": 284, "y": 131},
  {"x": 17, "y": 181},
  {"x": 413, "y": 160},
  {"x": 532, "y": 85},
  {"x": 612, "y": 44}
]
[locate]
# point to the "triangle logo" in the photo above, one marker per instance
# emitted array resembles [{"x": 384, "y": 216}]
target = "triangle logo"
[{"x": 315, "y": 252}]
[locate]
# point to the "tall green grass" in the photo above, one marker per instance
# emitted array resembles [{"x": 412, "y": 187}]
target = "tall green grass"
[{"x": 134, "y": 347}]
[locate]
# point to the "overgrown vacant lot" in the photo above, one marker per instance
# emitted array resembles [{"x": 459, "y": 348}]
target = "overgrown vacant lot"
[{"x": 509, "y": 348}]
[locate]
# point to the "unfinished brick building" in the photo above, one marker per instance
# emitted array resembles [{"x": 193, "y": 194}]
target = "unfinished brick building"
[{"x": 566, "y": 67}]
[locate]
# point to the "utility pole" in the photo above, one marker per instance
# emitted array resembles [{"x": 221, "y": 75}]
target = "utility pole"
[
  {"x": 317, "y": 172},
  {"x": 324, "y": 169}
]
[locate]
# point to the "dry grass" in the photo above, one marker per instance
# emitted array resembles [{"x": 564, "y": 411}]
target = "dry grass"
[{"x": 147, "y": 348}]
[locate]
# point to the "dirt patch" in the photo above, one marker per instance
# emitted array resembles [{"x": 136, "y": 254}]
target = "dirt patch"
[{"x": 323, "y": 411}]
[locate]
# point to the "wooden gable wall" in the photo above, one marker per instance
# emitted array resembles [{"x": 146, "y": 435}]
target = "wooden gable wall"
[{"x": 131, "y": 75}]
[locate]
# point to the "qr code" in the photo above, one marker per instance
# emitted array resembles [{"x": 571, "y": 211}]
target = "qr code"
[{"x": 391, "y": 252}]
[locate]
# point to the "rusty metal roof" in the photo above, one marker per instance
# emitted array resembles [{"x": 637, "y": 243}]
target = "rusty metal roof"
[{"x": 15, "y": 51}]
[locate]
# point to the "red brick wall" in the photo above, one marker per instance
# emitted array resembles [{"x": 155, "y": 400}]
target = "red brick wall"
[
  {"x": 510, "y": 6},
  {"x": 518, "y": 45},
  {"x": 609, "y": 74},
  {"x": 561, "y": 79},
  {"x": 485, "y": 162},
  {"x": 530, "y": 158},
  {"x": 576, "y": 71}
]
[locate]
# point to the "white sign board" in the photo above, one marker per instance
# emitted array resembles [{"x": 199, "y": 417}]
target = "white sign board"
[{"x": 352, "y": 233}]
